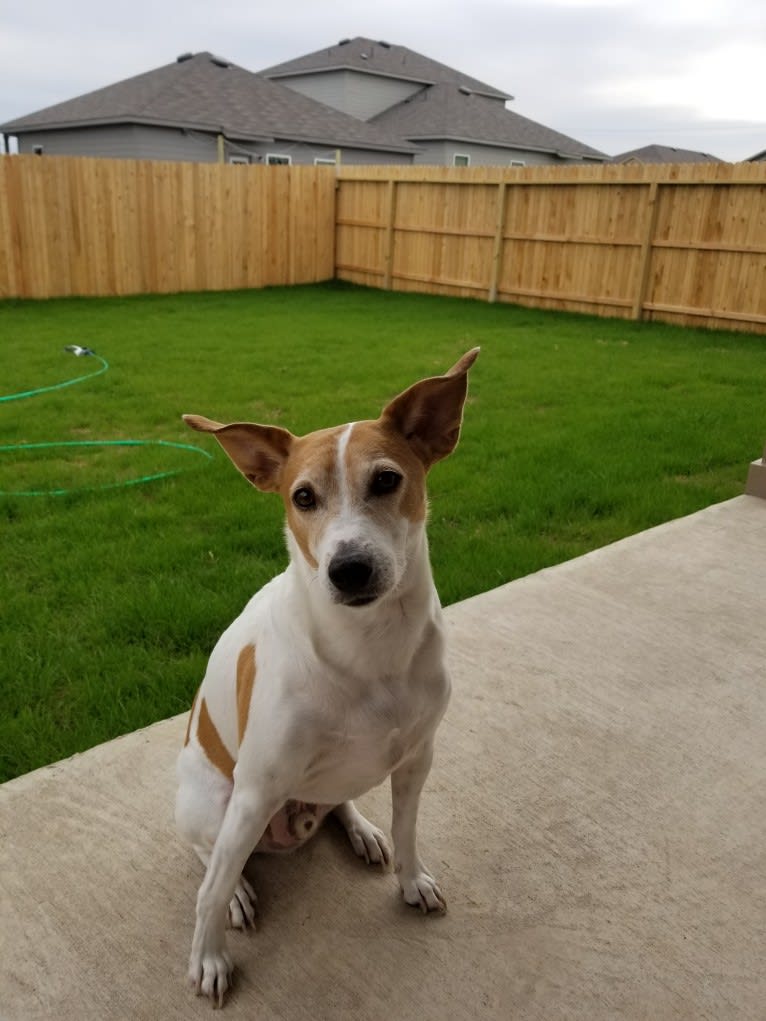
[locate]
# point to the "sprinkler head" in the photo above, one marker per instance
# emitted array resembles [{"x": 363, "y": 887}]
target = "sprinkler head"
[{"x": 78, "y": 351}]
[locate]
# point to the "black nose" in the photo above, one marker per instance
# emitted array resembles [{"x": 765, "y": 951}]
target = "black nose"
[{"x": 350, "y": 573}]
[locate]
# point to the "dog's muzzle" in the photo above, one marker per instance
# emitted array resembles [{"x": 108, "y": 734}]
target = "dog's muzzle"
[{"x": 352, "y": 574}]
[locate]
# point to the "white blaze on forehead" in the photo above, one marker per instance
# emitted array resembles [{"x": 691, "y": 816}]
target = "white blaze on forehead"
[{"x": 343, "y": 441}]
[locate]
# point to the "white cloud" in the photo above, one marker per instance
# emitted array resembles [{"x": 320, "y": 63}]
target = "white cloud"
[{"x": 725, "y": 82}]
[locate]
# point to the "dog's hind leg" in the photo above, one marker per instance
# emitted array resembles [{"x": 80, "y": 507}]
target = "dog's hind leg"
[
  {"x": 201, "y": 800},
  {"x": 367, "y": 840}
]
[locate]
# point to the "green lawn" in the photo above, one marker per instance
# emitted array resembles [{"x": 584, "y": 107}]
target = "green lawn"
[{"x": 578, "y": 431}]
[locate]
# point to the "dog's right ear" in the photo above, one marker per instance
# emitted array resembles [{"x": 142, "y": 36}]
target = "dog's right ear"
[{"x": 258, "y": 451}]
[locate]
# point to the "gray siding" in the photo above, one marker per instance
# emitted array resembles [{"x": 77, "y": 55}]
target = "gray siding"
[
  {"x": 144, "y": 142},
  {"x": 141, "y": 142},
  {"x": 360, "y": 95},
  {"x": 303, "y": 153},
  {"x": 442, "y": 152},
  {"x": 128, "y": 141}
]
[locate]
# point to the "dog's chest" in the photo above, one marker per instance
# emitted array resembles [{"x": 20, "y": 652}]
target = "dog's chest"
[{"x": 355, "y": 746}]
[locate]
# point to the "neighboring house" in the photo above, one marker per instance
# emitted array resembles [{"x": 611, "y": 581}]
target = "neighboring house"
[
  {"x": 203, "y": 108},
  {"x": 360, "y": 101},
  {"x": 760, "y": 157},
  {"x": 665, "y": 154},
  {"x": 452, "y": 118}
]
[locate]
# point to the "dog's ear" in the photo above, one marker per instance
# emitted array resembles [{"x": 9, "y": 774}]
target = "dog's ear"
[
  {"x": 259, "y": 451},
  {"x": 430, "y": 412}
]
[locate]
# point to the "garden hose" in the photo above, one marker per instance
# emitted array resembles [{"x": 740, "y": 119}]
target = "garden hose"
[
  {"x": 74, "y": 349},
  {"x": 82, "y": 352}
]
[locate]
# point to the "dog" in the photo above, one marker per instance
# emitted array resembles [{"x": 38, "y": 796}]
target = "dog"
[{"x": 333, "y": 677}]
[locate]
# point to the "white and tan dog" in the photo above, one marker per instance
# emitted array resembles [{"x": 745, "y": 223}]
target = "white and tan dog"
[{"x": 333, "y": 677}]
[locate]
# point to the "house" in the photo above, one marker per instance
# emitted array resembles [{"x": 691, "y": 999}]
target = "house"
[
  {"x": 203, "y": 108},
  {"x": 359, "y": 101},
  {"x": 452, "y": 118},
  {"x": 759, "y": 157},
  {"x": 665, "y": 154}
]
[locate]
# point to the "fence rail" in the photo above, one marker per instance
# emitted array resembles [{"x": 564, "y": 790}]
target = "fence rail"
[{"x": 684, "y": 244}]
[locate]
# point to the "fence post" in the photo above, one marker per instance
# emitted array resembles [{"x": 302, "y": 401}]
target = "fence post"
[
  {"x": 497, "y": 250},
  {"x": 645, "y": 255},
  {"x": 388, "y": 250}
]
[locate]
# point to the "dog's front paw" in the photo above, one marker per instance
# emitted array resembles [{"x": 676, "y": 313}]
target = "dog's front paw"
[
  {"x": 210, "y": 975},
  {"x": 422, "y": 891},
  {"x": 243, "y": 907}
]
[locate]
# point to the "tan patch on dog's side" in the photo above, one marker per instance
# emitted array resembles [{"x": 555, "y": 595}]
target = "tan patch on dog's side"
[
  {"x": 371, "y": 443},
  {"x": 211, "y": 743},
  {"x": 245, "y": 682}
]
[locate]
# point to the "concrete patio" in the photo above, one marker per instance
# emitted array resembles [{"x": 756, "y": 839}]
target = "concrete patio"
[{"x": 596, "y": 815}]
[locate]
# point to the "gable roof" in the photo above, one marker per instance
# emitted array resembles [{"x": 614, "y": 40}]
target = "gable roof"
[
  {"x": 207, "y": 93},
  {"x": 446, "y": 111},
  {"x": 665, "y": 154},
  {"x": 380, "y": 58}
]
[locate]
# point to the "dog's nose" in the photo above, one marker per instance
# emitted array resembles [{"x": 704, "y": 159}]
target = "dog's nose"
[{"x": 350, "y": 573}]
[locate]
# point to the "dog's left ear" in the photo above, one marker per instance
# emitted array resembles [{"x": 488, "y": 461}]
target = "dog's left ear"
[
  {"x": 259, "y": 451},
  {"x": 429, "y": 413}
]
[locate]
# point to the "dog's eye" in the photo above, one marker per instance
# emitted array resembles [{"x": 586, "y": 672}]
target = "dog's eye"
[
  {"x": 304, "y": 498},
  {"x": 385, "y": 482}
]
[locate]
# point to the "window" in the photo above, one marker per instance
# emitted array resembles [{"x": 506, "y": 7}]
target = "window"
[
  {"x": 276, "y": 159},
  {"x": 240, "y": 159},
  {"x": 321, "y": 161},
  {"x": 460, "y": 159},
  {"x": 518, "y": 163}
]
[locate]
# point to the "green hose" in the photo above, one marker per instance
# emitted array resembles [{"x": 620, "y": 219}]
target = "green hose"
[
  {"x": 58, "y": 386},
  {"x": 89, "y": 443}
]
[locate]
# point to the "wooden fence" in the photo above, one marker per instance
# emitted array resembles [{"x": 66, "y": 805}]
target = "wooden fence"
[
  {"x": 72, "y": 225},
  {"x": 684, "y": 244}
]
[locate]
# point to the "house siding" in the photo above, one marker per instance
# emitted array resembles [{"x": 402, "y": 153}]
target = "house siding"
[
  {"x": 442, "y": 152},
  {"x": 359, "y": 95},
  {"x": 126, "y": 141},
  {"x": 303, "y": 153},
  {"x": 129, "y": 141}
]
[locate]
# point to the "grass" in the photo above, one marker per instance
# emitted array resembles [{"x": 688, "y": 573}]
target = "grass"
[{"x": 578, "y": 431}]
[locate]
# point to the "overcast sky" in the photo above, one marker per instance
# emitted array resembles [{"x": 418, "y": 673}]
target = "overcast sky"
[{"x": 615, "y": 74}]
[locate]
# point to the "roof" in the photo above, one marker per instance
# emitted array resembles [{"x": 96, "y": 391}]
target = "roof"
[
  {"x": 207, "y": 93},
  {"x": 380, "y": 58},
  {"x": 204, "y": 92},
  {"x": 756, "y": 157},
  {"x": 665, "y": 154},
  {"x": 446, "y": 111}
]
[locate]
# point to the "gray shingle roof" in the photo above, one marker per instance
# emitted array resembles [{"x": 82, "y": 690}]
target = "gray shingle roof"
[
  {"x": 207, "y": 93},
  {"x": 380, "y": 58},
  {"x": 444, "y": 111},
  {"x": 665, "y": 154},
  {"x": 203, "y": 92}
]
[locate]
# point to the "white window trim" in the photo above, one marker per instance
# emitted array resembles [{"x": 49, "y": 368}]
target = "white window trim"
[
  {"x": 461, "y": 156},
  {"x": 281, "y": 157},
  {"x": 518, "y": 163},
  {"x": 323, "y": 161},
  {"x": 240, "y": 160}
]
